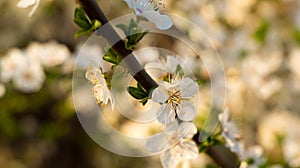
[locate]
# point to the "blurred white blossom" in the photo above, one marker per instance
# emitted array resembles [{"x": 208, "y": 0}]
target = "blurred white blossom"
[
  {"x": 177, "y": 143},
  {"x": 175, "y": 97},
  {"x": 49, "y": 54},
  {"x": 149, "y": 10},
  {"x": 285, "y": 132},
  {"x": 230, "y": 132},
  {"x": 30, "y": 77},
  {"x": 11, "y": 63},
  {"x": 252, "y": 157},
  {"x": 28, "y": 3},
  {"x": 291, "y": 148},
  {"x": 257, "y": 71}
]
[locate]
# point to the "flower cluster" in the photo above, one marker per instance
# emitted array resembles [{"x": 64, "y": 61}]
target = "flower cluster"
[
  {"x": 177, "y": 111},
  {"x": 25, "y": 68},
  {"x": 100, "y": 90},
  {"x": 252, "y": 157}
]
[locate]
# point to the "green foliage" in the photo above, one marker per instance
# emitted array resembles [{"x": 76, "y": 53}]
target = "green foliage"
[
  {"x": 213, "y": 140},
  {"x": 261, "y": 32},
  {"x": 111, "y": 56},
  {"x": 133, "y": 33},
  {"x": 179, "y": 71},
  {"x": 296, "y": 36},
  {"x": 139, "y": 93},
  {"x": 86, "y": 25}
]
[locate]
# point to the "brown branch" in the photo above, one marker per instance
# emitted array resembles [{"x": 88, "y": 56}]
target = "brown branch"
[{"x": 219, "y": 154}]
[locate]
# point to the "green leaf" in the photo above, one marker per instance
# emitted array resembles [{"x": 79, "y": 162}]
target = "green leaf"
[
  {"x": 123, "y": 27},
  {"x": 95, "y": 25},
  {"x": 296, "y": 36},
  {"x": 133, "y": 34},
  {"x": 81, "y": 32},
  {"x": 81, "y": 19},
  {"x": 261, "y": 32},
  {"x": 111, "y": 56},
  {"x": 80, "y": 14},
  {"x": 136, "y": 93},
  {"x": 179, "y": 71},
  {"x": 82, "y": 24}
]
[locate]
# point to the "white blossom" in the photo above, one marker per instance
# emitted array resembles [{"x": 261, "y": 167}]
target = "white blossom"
[
  {"x": 229, "y": 132},
  {"x": 252, "y": 157},
  {"x": 26, "y": 73},
  {"x": 176, "y": 142},
  {"x": 11, "y": 63},
  {"x": 28, "y": 3},
  {"x": 149, "y": 10},
  {"x": 291, "y": 146},
  {"x": 169, "y": 65},
  {"x": 29, "y": 78},
  {"x": 100, "y": 89},
  {"x": 174, "y": 99},
  {"x": 49, "y": 54}
]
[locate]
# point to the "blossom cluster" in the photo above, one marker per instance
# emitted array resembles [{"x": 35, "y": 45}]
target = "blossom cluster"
[
  {"x": 177, "y": 111},
  {"x": 26, "y": 68}
]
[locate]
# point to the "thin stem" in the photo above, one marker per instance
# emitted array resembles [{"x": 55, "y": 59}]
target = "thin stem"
[{"x": 94, "y": 12}]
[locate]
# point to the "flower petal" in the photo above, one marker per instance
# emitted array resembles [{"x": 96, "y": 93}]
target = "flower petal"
[
  {"x": 186, "y": 111},
  {"x": 25, "y": 3},
  {"x": 160, "y": 95},
  {"x": 130, "y": 3},
  {"x": 168, "y": 160},
  {"x": 157, "y": 143},
  {"x": 189, "y": 150},
  {"x": 188, "y": 87},
  {"x": 186, "y": 130},
  {"x": 34, "y": 8},
  {"x": 171, "y": 64},
  {"x": 165, "y": 115},
  {"x": 162, "y": 22}
]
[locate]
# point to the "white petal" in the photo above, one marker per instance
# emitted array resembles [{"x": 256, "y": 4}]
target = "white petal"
[
  {"x": 157, "y": 143},
  {"x": 162, "y": 22},
  {"x": 186, "y": 111},
  {"x": 160, "y": 95},
  {"x": 165, "y": 115},
  {"x": 130, "y": 3},
  {"x": 25, "y": 3},
  {"x": 188, "y": 87},
  {"x": 168, "y": 160},
  {"x": 171, "y": 64},
  {"x": 173, "y": 128},
  {"x": 154, "y": 65},
  {"x": 187, "y": 130},
  {"x": 34, "y": 8},
  {"x": 189, "y": 150}
]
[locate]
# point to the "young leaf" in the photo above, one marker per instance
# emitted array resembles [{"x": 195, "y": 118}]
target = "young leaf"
[
  {"x": 123, "y": 27},
  {"x": 136, "y": 93},
  {"x": 179, "y": 71},
  {"x": 111, "y": 56}
]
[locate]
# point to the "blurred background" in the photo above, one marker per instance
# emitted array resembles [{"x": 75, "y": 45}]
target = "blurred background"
[{"x": 258, "y": 41}]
